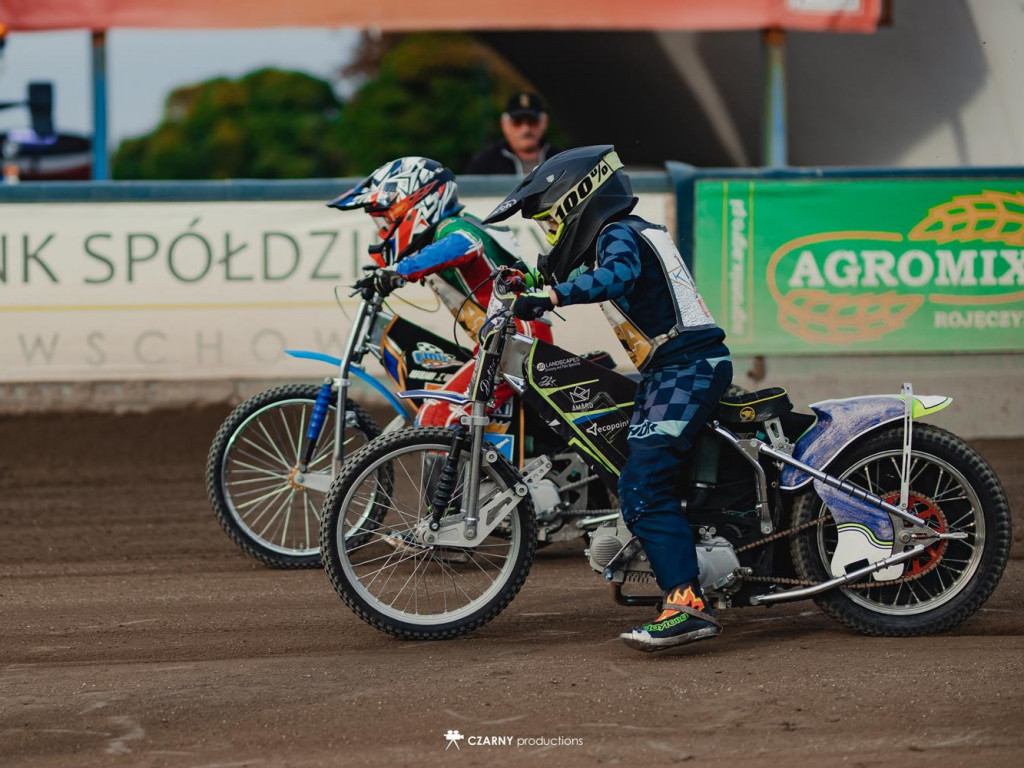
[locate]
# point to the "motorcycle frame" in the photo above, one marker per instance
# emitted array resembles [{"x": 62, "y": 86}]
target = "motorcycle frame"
[
  {"x": 499, "y": 327},
  {"x": 357, "y": 346}
]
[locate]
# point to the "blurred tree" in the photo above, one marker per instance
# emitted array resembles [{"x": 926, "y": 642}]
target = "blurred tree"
[
  {"x": 268, "y": 124},
  {"x": 438, "y": 95}
]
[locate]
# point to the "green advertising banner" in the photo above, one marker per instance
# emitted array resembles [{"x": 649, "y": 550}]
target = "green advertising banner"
[{"x": 880, "y": 265}]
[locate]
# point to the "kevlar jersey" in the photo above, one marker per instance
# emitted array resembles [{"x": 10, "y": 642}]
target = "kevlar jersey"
[
  {"x": 647, "y": 294},
  {"x": 459, "y": 262}
]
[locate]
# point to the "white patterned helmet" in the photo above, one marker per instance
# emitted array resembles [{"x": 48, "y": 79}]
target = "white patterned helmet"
[{"x": 407, "y": 197}]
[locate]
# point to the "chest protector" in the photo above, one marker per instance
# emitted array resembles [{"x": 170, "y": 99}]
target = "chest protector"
[{"x": 688, "y": 307}]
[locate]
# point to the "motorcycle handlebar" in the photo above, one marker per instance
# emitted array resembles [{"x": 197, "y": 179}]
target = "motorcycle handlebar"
[{"x": 511, "y": 281}]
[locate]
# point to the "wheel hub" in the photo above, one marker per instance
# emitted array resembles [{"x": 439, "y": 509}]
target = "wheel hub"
[{"x": 295, "y": 479}]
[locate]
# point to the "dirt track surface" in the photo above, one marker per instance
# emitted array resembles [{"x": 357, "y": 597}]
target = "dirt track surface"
[{"x": 133, "y": 633}]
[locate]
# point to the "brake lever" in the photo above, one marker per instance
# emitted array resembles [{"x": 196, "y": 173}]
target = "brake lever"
[{"x": 361, "y": 285}]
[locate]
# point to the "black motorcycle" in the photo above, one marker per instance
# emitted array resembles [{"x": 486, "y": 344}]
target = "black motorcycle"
[{"x": 893, "y": 527}]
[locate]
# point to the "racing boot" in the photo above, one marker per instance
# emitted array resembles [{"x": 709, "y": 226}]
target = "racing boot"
[{"x": 685, "y": 618}]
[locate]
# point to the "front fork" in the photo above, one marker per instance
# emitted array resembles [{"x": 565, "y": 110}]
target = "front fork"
[
  {"x": 448, "y": 480},
  {"x": 316, "y": 423},
  {"x": 477, "y": 422},
  {"x": 481, "y": 389},
  {"x": 339, "y": 385}
]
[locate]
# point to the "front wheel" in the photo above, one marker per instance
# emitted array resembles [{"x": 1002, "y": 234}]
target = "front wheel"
[
  {"x": 251, "y": 473},
  {"x": 951, "y": 487},
  {"x": 400, "y": 586}
]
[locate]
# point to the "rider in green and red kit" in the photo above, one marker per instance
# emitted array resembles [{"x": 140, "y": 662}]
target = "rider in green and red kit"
[
  {"x": 582, "y": 198},
  {"x": 426, "y": 235}
]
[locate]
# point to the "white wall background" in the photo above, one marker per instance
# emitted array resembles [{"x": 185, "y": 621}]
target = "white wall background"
[{"x": 142, "y": 291}]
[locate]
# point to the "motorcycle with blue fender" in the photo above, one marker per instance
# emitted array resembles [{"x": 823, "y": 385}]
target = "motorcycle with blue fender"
[{"x": 273, "y": 459}]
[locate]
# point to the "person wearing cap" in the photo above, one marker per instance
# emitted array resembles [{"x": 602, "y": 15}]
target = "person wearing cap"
[{"x": 524, "y": 123}]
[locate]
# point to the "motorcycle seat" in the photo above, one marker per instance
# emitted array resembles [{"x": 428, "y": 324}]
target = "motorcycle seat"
[{"x": 754, "y": 407}]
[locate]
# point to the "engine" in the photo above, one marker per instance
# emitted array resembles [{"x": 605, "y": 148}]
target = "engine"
[{"x": 716, "y": 558}]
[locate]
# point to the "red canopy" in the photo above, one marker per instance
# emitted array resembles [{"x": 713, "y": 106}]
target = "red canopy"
[{"x": 409, "y": 15}]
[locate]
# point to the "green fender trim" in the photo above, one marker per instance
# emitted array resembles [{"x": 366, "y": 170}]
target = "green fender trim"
[{"x": 925, "y": 405}]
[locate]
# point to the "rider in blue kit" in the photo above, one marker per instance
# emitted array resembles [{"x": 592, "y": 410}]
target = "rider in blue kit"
[{"x": 600, "y": 253}]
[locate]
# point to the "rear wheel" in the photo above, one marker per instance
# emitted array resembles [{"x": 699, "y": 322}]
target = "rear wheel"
[
  {"x": 400, "y": 586},
  {"x": 251, "y": 473},
  {"x": 954, "y": 489}
]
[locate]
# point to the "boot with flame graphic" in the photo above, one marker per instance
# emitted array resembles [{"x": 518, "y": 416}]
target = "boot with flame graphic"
[{"x": 685, "y": 618}]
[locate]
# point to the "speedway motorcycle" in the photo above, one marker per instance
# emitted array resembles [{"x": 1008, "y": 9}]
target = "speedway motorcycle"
[
  {"x": 272, "y": 460},
  {"x": 892, "y": 526}
]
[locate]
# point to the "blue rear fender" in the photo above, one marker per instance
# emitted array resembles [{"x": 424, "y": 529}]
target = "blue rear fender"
[
  {"x": 842, "y": 421},
  {"x": 356, "y": 371}
]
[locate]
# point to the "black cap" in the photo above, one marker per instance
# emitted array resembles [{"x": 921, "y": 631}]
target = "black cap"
[{"x": 524, "y": 104}]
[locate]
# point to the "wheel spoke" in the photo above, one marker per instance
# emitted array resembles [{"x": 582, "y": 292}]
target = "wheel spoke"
[
  {"x": 269, "y": 477},
  {"x": 946, "y": 501},
  {"x": 867, "y": 477},
  {"x": 273, "y": 445},
  {"x": 284, "y": 503},
  {"x": 915, "y": 475},
  {"x": 297, "y": 440},
  {"x": 265, "y": 496}
]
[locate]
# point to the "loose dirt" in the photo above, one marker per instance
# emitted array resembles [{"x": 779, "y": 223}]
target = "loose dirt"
[{"x": 135, "y": 634}]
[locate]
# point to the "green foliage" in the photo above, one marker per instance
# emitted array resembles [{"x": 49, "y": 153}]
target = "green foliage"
[
  {"x": 268, "y": 124},
  {"x": 436, "y": 95}
]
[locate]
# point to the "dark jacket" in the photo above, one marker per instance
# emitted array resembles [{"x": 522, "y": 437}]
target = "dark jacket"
[{"x": 499, "y": 158}]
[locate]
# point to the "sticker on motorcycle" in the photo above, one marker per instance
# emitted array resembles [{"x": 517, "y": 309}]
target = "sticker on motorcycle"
[
  {"x": 431, "y": 356},
  {"x": 503, "y": 444}
]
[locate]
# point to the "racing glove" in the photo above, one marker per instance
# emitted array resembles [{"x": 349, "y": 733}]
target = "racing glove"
[
  {"x": 532, "y": 277},
  {"x": 387, "y": 280},
  {"x": 530, "y": 306}
]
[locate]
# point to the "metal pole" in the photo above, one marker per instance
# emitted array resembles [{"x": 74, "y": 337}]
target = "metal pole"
[
  {"x": 774, "y": 128},
  {"x": 100, "y": 162}
]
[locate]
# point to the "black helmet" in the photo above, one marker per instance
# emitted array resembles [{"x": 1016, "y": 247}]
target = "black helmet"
[{"x": 572, "y": 195}]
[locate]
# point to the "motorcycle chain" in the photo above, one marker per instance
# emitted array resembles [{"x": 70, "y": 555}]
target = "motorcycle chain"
[{"x": 807, "y": 583}]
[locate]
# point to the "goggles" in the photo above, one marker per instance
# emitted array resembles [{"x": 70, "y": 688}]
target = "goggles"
[{"x": 552, "y": 229}]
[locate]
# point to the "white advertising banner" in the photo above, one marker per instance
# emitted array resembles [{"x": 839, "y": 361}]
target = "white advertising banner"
[{"x": 201, "y": 290}]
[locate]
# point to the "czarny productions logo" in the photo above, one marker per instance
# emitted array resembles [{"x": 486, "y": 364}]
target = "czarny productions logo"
[{"x": 453, "y": 736}]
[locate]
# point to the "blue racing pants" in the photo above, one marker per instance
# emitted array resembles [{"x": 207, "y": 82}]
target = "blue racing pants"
[{"x": 672, "y": 404}]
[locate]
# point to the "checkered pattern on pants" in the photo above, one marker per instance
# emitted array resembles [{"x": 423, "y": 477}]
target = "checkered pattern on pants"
[
  {"x": 669, "y": 399},
  {"x": 672, "y": 404}
]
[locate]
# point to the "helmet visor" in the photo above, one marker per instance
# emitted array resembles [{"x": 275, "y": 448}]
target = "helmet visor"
[{"x": 550, "y": 226}]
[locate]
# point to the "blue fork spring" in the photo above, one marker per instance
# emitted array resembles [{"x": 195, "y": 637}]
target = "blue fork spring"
[{"x": 320, "y": 408}]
